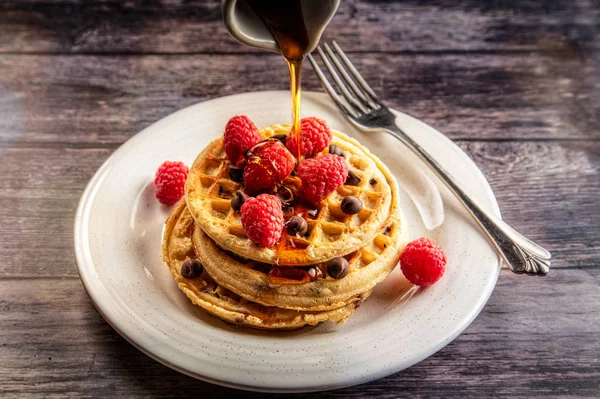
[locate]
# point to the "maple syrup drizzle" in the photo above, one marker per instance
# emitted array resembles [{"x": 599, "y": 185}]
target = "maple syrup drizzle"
[
  {"x": 295, "y": 75},
  {"x": 285, "y": 20},
  {"x": 286, "y": 23}
]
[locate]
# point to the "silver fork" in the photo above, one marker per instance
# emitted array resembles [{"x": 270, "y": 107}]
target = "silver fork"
[{"x": 362, "y": 107}]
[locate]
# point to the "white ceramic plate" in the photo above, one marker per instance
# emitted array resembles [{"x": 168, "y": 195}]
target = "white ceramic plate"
[{"x": 118, "y": 248}]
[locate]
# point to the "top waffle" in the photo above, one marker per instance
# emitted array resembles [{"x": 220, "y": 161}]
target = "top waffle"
[{"x": 331, "y": 233}]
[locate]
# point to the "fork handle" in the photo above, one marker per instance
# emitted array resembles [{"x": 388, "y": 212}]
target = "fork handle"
[{"x": 520, "y": 253}]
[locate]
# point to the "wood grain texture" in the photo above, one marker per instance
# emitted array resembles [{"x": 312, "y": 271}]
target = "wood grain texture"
[
  {"x": 172, "y": 26},
  {"x": 546, "y": 190},
  {"x": 91, "y": 100},
  {"x": 525, "y": 343},
  {"x": 516, "y": 82}
]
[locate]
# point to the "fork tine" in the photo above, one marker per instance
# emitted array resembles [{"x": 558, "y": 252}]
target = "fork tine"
[
  {"x": 355, "y": 73},
  {"x": 347, "y": 95},
  {"x": 332, "y": 93},
  {"x": 355, "y": 89}
]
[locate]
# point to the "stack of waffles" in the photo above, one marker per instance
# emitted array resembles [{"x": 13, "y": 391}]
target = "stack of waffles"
[{"x": 288, "y": 285}]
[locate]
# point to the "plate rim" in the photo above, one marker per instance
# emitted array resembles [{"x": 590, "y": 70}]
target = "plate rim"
[{"x": 86, "y": 201}]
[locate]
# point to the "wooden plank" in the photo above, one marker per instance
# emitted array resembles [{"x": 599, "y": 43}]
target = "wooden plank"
[
  {"x": 537, "y": 337},
  {"x": 547, "y": 190},
  {"x": 172, "y": 26},
  {"x": 90, "y": 100}
]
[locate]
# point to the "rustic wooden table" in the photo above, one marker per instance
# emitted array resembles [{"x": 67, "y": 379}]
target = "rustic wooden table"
[{"x": 515, "y": 83}]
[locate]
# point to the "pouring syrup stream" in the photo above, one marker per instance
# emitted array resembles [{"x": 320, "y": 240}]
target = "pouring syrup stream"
[{"x": 286, "y": 23}]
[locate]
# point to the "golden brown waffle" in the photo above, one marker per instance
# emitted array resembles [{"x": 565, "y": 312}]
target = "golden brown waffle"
[
  {"x": 369, "y": 265},
  {"x": 203, "y": 291},
  {"x": 331, "y": 232}
]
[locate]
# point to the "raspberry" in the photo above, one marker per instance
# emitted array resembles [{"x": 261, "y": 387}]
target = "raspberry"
[
  {"x": 315, "y": 137},
  {"x": 268, "y": 164},
  {"x": 275, "y": 152},
  {"x": 240, "y": 135},
  {"x": 259, "y": 174},
  {"x": 170, "y": 182},
  {"x": 322, "y": 175},
  {"x": 262, "y": 219},
  {"x": 423, "y": 262}
]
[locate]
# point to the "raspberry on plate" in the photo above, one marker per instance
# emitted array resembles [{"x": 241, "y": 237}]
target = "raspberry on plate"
[
  {"x": 322, "y": 175},
  {"x": 423, "y": 262},
  {"x": 170, "y": 182},
  {"x": 262, "y": 219},
  {"x": 240, "y": 135},
  {"x": 269, "y": 162},
  {"x": 315, "y": 137}
]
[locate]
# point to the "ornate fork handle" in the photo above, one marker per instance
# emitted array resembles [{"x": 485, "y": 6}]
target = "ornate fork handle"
[{"x": 520, "y": 254}]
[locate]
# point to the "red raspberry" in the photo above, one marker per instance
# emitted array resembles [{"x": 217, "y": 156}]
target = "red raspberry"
[
  {"x": 262, "y": 219},
  {"x": 322, "y": 175},
  {"x": 240, "y": 135},
  {"x": 423, "y": 262},
  {"x": 315, "y": 137},
  {"x": 170, "y": 182},
  {"x": 275, "y": 152},
  {"x": 268, "y": 164},
  {"x": 259, "y": 174}
]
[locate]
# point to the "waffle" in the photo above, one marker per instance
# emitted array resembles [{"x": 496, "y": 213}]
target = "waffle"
[
  {"x": 369, "y": 265},
  {"x": 224, "y": 304},
  {"x": 331, "y": 232}
]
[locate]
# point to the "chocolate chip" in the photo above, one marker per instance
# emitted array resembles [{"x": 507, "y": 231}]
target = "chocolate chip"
[
  {"x": 281, "y": 137},
  {"x": 373, "y": 181},
  {"x": 335, "y": 150},
  {"x": 352, "y": 179},
  {"x": 236, "y": 174},
  {"x": 338, "y": 268},
  {"x": 238, "y": 200},
  {"x": 351, "y": 205},
  {"x": 286, "y": 195},
  {"x": 191, "y": 269},
  {"x": 297, "y": 225}
]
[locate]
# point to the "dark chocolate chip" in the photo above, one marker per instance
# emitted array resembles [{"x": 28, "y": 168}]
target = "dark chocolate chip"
[
  {"x": 335, "y": 150},
  {"x": 238, "y": 200},
  {"x": 352, "y": 179},
  {"x": 281, "y": 137},
  {"x": 286, "y": 195},
  {"x": 351, "y": 205},
  {"x": 191, "y": 268},
  {"x": 236, "y": 174},
  {"x": 338, "y": 268},
  {"x": 297, "y": 225},
  {"x": 373, "y": 181}
]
